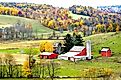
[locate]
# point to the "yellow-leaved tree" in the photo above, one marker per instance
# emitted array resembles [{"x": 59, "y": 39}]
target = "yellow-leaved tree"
[
  {"x": 26, "y": 69},
  {"x": 117, "y": 28},
  {"x": 81, "y": 22},
  {"x": 42, "y": 46},
  {"x": 46, "y": 46}
]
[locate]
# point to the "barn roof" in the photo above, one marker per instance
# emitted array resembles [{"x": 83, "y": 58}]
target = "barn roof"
[
  {"x": 71, "y": 54},
  {"x": 105, "y": 49},
  {"x": 77, "y": 48}
]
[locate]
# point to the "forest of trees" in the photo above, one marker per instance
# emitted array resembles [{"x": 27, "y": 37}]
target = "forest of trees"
[{"x": 60, "y": 18}]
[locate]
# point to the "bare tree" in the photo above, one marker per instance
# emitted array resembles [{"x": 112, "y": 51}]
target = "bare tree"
[
  {"x": 53, "y": 69},
  {"x": 0, "y": 67},
  {"x": 9, "y": 61}
]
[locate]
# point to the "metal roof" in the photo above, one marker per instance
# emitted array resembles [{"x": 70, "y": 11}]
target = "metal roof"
[
  {"x": 105, "y": 49},
  {"x": 77, "y": 48}
]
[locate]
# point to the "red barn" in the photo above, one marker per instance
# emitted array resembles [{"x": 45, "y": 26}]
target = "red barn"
[
  {"x": 106, "y": 52},
  {"x": 75, "y": 51},
  {"x": 47, "y": 55},
  {"x": 78, "y": 53}
]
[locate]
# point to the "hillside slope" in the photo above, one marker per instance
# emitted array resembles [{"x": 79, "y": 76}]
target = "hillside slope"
[
  {"x": 6, "y": 19},
  {"x": 112, "y": 40}
]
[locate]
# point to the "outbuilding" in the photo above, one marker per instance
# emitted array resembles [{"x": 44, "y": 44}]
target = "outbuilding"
[{"x": 106, "y": 52}]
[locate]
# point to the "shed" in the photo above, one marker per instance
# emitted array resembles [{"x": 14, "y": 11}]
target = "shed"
[
  {"x": 105, "y": 52},
  {"x": 48, "y": 55}
]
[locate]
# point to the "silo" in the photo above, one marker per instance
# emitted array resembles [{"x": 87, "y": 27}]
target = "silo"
[{"x": 88, "y": 49}]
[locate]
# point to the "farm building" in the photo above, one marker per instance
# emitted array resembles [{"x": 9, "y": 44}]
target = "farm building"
[
  {"x": 78, "y": 53},
  {"x": 48, "y": 55},
  {"x": 105, "y": 52}
]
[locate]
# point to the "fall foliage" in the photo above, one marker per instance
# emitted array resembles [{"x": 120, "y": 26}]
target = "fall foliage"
[
  {"x": 26, "y": 69},
  {"x": 46, "y": 47},
  {"x": 61, "y": 18}
]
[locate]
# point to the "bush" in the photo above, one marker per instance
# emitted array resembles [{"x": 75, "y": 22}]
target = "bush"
[{"x": 96, "y": 72}]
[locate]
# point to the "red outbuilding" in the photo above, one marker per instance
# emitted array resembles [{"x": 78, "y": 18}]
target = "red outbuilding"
[
  {"x": 48, "y": 55},
  {"x": 106, "y": 52}
]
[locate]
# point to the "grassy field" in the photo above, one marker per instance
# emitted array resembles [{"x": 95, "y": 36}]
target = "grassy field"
[
  {"x": 112, "y": 40},
  {"x": 6, "y": 19},
  {"x": 74, "y": 69},
  {"x": 75, "y": 16}
]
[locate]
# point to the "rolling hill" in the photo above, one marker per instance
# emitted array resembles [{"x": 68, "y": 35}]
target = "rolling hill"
[
  {"x": 9, "y": 20},
  {"x": 112, "y": 40}
]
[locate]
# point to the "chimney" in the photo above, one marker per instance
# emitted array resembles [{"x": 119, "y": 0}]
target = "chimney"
[{"x": 88, "y": 49}]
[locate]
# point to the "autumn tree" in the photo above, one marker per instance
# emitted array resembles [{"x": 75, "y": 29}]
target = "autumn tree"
[
  {"x": 117, "y": 28},
  {"x": 46, "y": 46},
  {"x": 28, "y": 64},
  {"x": 98, "y": 26},
  {"x": 110, "y": 28},
  {"x": 26, "y": 69}
]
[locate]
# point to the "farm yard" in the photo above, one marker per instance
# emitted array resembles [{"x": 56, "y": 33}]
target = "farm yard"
[
  {"x": 43, "y": 42},
  {"x": 73, "y": 70}
]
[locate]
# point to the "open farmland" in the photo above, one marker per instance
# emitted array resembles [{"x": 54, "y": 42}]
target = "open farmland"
[
  {"x": 16, "y": 46},
  {"x": 23, "y": 44},
  {"x": 98, "y": 41},
  {"x": 18, "y": 58}
]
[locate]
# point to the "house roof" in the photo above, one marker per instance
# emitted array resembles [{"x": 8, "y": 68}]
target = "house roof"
[
  {"x": 46, "y": 53},
  {"x": 77, "y": 48},
  {"x": 105, "y": 49}
]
